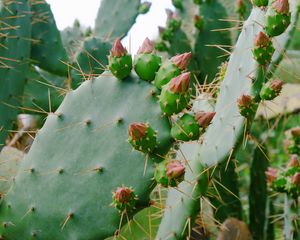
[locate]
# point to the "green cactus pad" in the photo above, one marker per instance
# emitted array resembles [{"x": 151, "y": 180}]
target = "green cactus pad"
[
  {"x": 276, "y": 23},
  {"x": 186, "y": 128},
  {"x": 14, "y": 60},
  {"x": 91, "y": 60},
  {"x": 120, "y": 66},
  {"x": 171, "y": 103},
  {"x": 115, "y": 18},
  {"x": 64, "y": 186},
  {"x": 209, "y": 56},
  {"x": 146, "y": 65},
  {"x": 47, "y": 48},
  {"x": 166, "y": 72}
]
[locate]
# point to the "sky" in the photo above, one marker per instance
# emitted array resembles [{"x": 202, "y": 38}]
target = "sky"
[{"x": 66, "y": 11}]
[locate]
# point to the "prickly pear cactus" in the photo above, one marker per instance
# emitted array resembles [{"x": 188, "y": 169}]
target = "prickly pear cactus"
[
  {"x": 244, "y": 76},
  {"x": 47, "y": 47},
  {"x": 14, "y": 59},
  {"x": 64, "y": 186}
]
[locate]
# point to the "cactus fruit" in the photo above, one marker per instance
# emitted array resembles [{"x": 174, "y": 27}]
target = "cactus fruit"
[
  {"x": 263, "y": 50},
  {"x": 175, "y": 95},
  {"x": 198, "y": 22},
  {"x": 247, "y": 106},
  {"x": 186, "y": 128},
  {"x": 204, "y": 118},
  {"x": 278, "y": 18},
  {"x": 120, "y": 62},
  {"x": 124, "y": 199},
  {"x": 241, "y": 8},
  {"x": 169, "y": 174},
  {"x": 171, "y": 68},
  {"x": 260, "y": 3},
  {"x": 142, "y": 137},
  {"x": 271, "y": 89},
  {"x": 144, "y": 7},
  {"x": 146, "y": 63},
  {"x": 294, "y": 141}
]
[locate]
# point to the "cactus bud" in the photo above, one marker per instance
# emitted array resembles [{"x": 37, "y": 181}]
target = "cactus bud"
[
  {"x": 198, "y": 22},
  {"x": 293, "y": 162},
  {"x": 271, "y": 174},
  {"x": 296, "y": 178},
  {"x": 247, "y": 106},
  {"x": 270, "y": 90},
  {"x": 171, "y": 68},
  {"x": 278, "y": 18},
  {"x": 180, "y": 84},
  {"x": 182, "y": 60},
  {"x": 263, "y": 50},
  {"x": 175, "y": 170},
  {"x": 295, "y": 132},
  {"x": 120, "y": 63},
  {"x": 146, "y": 63},
  {"x": 124, "y": 199},
  {"x": 262, "y": 40},
  {"x": 169, "y": 173},
  {"x": 185, "y": 128},
  {"x": 144, "y": 7},
  {"x": 147, "y": 47},
  {"x": 281, "y": 6},
  {"x": 260, "y": 3},
  {"x": 241, "y": 8},
  {"x": 142, "y": 137},
  {"x": 118, "y": 49},
  {"x": 204, "y": 118}
]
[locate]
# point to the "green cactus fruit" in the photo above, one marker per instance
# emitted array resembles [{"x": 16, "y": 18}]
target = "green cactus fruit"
[
  {"x": 175, "y": 96},
  {"x": 146, "y": 64},
  {"x": 174, "y": 22},
  {"x": 177, "y": 4},
  {"x": 198, "y": 22},
  {"x": 124, "y": 199},
  {"x": 144, "y": 7},
  {"x": 142, "y": 137},
  {"x": 271, "y": 90},
  {"x": 294, "y": 142},
  {"x": 293, "y": 185},
  {"x": 260, "y": 3},
  {"x": 247, "y": 106},
  {"x": 186, "y": 128},
  {"x": 295, "y": 132},
  {"x": 169, "y": 174},
  {"x": 120, "y": 62},
  {"x": 278, "y": 18},
  {"x": 263, "y": 50},
  {"x": 166, "y": 34},
  {"x": 171, "y": 68}
]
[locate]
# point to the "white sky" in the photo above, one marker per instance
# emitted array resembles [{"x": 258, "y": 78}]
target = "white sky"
[{"x": 66, "y": 11}]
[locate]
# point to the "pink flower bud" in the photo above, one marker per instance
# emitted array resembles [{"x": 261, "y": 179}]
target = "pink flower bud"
[
  {"x": 137, "y": 130},
  {"x": 296, "y": 178},
  {"x": 245, "y": 101},
  {"x": 181, "y": 83},
  {"x": 147, "y": 47},
  {"x": 175, "y": 169},
  {"x": 118, "y": 50},
  {"x": 293, "y": 162},
  {"x": 276, "y": 85},
  {"x": 123, "y": 194},
  {"x": 262, "y": 40},
  {"x": 182, "y": 60},
  {"x": 271, "y": 174},
  {"x": 281, "y": 6},
  {"x": 204, "y": 118}
]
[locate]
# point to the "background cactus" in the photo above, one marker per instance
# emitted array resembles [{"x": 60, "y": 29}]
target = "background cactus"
[{"x": 200, "y": 152}]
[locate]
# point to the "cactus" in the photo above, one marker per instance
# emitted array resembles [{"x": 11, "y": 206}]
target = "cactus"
[
  {"x": 47, "y": 49},
  {"x": 291, "y": 218},
  {"x": 215, "y": 148},
  {"x": 15, "y": 53},
  {"x": 112, "y": 21},
  {"x": 101, "y": 166}
]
